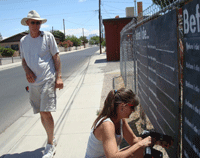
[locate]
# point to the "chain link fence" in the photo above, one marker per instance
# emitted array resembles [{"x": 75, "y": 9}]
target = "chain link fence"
[
  {"x": 129, "y": 62},
  {"x": 127, "y": 46}
]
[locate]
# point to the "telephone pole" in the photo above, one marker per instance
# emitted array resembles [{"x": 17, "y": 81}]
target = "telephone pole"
[
  {"x": 100, "y": 25},
  {"x": 83, "y": 37},
  {"x": 135, "y": 9},
  {"x": 64, "y": 25}
]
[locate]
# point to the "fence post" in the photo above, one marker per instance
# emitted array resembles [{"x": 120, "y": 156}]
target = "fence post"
[
  {"x": 0, "y": 61},
  {"x": 12, "y": 59}
]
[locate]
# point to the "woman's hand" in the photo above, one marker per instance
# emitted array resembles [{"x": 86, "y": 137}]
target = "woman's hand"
[
  {"x": 148, "y": 141},
  {"x": 164, "y": 144}
]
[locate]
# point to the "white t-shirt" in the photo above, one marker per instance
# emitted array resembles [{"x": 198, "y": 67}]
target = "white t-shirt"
[{"x": 38, "y": 53}]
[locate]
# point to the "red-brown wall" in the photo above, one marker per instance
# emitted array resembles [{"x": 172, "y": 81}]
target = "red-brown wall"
[{"x": 113, "y": 28}]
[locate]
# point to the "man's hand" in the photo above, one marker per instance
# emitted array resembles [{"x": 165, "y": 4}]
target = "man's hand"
[
  {"x": 59, "y": 83},
  {"x": 30, "y": 76}
]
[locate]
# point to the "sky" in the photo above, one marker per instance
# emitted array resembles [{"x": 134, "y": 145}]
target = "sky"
[{"x": 79, "y": 15}]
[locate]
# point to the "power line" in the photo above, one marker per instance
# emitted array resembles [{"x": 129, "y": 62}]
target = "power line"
[
  {"x": 3, "y": 8},
  {"x": 106, "y": 11},
  {"x": 85, "y": 21},
  {"x": 77, "y": 23},
  {"x": 47, "y": 15},
  {"x": 113, "y": 7},
  {"x": 90, "y": 19},
  {"x": 116, "y": 2}
]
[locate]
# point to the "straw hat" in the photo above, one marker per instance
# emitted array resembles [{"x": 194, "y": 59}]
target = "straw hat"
[{"x": 32, "y": 15}]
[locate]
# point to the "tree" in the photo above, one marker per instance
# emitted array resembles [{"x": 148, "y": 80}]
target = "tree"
[
  {"x": 1, "y": 38},
  {"x": 103, "y": 43},
  {"x": 83, "y": 39},
  {"x": 59, "y": 34},
  {"x": 94, "y": 40},
  {"x": 27, "y": 31},
  {"x": 66, "y": 44},
  {"x": 76, "y": 41}
]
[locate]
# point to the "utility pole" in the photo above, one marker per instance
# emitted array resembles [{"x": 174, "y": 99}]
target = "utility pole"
[
  {"x": 100, "y": 25},
  {"x": 64, "y": 25},
  {"x": 135, "y": 8},
  {"x": 83, "y": 37}
]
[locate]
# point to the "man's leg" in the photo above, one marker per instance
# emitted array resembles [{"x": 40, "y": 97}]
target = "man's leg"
[{"x": 48, "y": 123}]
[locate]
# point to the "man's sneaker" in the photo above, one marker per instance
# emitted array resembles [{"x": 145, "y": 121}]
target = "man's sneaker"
[
  {"x": 54, "y": 141},
  {"x": 49, "y": 151}
]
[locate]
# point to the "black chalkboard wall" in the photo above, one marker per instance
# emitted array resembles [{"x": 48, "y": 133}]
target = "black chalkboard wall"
[
  {"x": 158, "y": 86},
  {"x": 191, "y": 93}
]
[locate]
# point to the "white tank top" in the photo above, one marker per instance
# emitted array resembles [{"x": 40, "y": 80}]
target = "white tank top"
[{"x": 95, "y": 146}]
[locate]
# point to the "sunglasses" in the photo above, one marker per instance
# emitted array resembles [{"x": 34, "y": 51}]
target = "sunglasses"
[
  {"x": 132, "y": 106},
  {"x": 37, "y": 22}
]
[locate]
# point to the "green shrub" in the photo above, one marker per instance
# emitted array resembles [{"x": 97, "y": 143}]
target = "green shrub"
[
  {"x": 76, "y": 41},
  {"x": 103, "y": 43},
  {"x": 7, "y": 52},
  {"x": 1, "y": 49}
]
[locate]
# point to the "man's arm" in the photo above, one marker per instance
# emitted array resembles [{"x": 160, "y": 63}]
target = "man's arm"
[
  {"x": 30, "y": 76},
  {"x": 57, "y": 63}
]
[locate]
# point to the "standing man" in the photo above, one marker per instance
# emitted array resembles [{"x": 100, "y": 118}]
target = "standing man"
[{"x": 41, "y": 63}]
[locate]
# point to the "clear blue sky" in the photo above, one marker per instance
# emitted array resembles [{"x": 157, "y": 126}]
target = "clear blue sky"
[{"x": 78, "y": 14}]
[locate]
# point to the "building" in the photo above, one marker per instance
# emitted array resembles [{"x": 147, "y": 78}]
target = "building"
[
  {"x": 13, "y": 41},
  {"x": 113, "y": 28}
]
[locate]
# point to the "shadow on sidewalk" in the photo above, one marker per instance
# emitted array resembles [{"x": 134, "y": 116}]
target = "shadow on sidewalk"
[{"x": 28, "y": 154}]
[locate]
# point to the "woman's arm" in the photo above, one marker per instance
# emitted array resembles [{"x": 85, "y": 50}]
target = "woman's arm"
[
  {"x": 110, "y": 144},
  {"x": 128, "y": 134}
]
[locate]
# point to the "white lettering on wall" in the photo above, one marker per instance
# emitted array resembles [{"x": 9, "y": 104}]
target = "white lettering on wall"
[
  {"x": 194, "y": 87},
  {"x": 192, "y": 126},
  {"x": 191, "y": 22},
  {"x": 193, "y": 67},
  {"x": 192, "y": 145},
  {"x": 192, "y": 46},
  {"x": 193, "y": 107}
]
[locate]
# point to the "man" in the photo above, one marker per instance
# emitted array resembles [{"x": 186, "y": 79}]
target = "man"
[{"x": 41, "y": 63}]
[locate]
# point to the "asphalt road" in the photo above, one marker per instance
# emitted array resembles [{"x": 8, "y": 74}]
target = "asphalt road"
[{"x": 14, "y": 100}]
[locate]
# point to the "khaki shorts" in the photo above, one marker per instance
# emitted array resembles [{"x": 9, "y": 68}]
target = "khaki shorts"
[{"x": 43, "y": 97}]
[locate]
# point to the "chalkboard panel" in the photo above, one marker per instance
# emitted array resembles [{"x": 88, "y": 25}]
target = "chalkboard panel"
[
  {"x": 191, "y": 105},
  {"x": 191, "y": 93},
  {"x": 158, "y": 86}
]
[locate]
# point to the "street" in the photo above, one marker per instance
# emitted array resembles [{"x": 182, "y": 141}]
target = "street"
[{"x": 14, "y": 101}]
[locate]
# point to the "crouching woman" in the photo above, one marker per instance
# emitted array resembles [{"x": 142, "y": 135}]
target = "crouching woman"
[{"x": 110, "y": 128}]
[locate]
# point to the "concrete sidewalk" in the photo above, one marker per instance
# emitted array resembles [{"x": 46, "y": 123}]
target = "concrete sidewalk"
[{"x": 77, "y": 107}]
